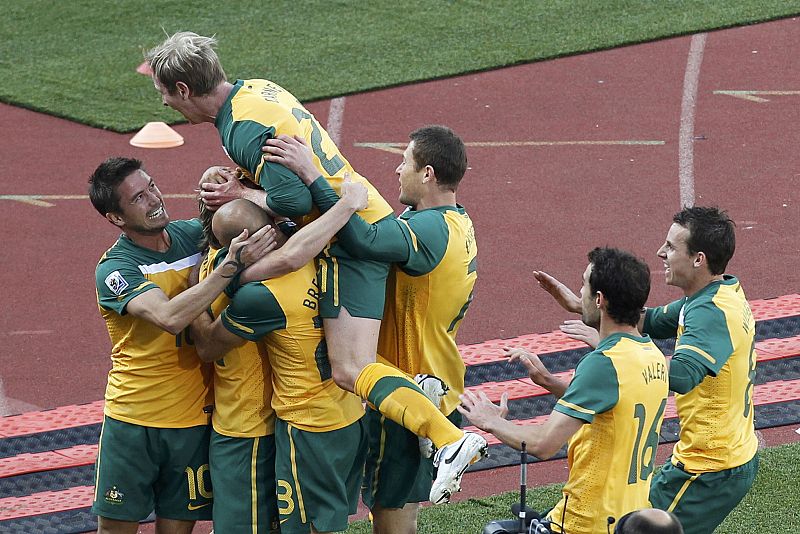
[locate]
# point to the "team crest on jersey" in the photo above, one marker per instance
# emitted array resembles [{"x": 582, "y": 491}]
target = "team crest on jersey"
[
  {"x": 116, "y": 283},
  {"x": 114, "y": 496}
]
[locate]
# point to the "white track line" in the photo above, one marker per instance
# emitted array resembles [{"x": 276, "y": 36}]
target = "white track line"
[
  {"x": 335, "y": 119},
  {"x": 688, "y": 105}
]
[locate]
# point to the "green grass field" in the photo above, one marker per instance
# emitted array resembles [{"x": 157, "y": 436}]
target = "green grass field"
[
  {"x": 77, "y": 59},
  {"x": 773, "y": 504}
]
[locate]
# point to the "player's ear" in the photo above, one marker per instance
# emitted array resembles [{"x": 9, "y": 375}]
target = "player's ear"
[
  {"x": 430, "y": 175},
  {"x": 115, "y": 219},
  {"x": 183, "y": 90}
]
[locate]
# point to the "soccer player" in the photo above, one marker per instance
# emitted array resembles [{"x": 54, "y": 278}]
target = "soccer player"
[
  {"x": 188, "y": 75},
  {"x": 712, "y": 371},
  {"x": 611, "y": 412},
  {"x": 434, "y": 254},
  {"x": 153, "y": 451},
  {"x": 320, "y": 438},
  {"x": 242, "y": 446}
]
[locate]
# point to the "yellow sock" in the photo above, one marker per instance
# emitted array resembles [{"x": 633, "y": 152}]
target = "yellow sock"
[{"x": 400, "y": 399}]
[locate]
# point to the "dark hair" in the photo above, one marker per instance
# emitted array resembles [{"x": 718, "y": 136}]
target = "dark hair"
[
  {"x": 106, "y": 178},
  {"x": 623, "y": 279},
  {"x": 638, "y": 523},
  {"x": 711, "y": 232},
  {"x": 206, "y": 216},
  {"x": 442, "y": 149}
]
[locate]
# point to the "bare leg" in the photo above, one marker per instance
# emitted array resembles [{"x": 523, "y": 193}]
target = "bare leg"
[
  {"x": 173, "y": 526},
  {"x": 395, "y": 520},
  {"x": 352, "y": 345},
  {"x": 113, "y": 526}
]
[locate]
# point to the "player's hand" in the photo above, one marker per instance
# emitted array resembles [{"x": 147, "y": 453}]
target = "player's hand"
[
  {"x": 563, "y": 295},
  {"x": 577, "y": 329},
  {"x": 245, "y": 250},
  {"x": 537, "y": 372},
  {"x": 294, "y": 154},
  {"x": 481, "y": 411},
  {"x": 220, "y": 187},
  {"x": 354, "y": 194}
]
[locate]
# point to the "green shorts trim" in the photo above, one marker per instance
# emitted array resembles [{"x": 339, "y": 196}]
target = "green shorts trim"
[
  {"x": 395, "y": 474},
  {"x": 243, "y": 475},
  {"x": 701, "y": 501},
  {"x": 319, "y": 476},
  {"x": 140, "y": 469},
  {"x": 344, "y": 281}
]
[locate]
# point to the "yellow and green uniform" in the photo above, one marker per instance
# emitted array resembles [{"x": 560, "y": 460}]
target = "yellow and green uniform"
[
  {"x": 257, "y": 110},
  {"x": 620, "y": 391},
  {"x": 156, "y": 378},
  {"x": 428, "y": 295},
  {"x": 242, "y": 450},
  {"x": 715, "y": 332},
  {"x": 157, "y": 390},
  {"x": 319, "y": 433}
]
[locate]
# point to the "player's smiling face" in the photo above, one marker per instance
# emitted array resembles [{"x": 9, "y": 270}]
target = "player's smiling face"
[
  {"x": 411, "y": 179},
  {"x": 679, "y": 268},
  {"x": 141, "y": 204}
]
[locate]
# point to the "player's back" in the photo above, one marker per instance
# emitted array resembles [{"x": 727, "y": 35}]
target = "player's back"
[
  {"x": 258, "y": 110},
  {"x": 242, "y": 378},
  {"x": 283, "y": 313}
]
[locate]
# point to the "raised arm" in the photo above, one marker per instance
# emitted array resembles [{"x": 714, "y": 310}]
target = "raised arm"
[
  {"x": 561, "y": 293},
  {"x": 309, "y": 241},
  {"x": 175, "y": 314}
]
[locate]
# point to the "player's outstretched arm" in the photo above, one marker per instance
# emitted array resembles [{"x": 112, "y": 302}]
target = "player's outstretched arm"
[
  {"x": 580, "y": 331},
  {"x": 563, "y": 295},
  {"x": 543, "y": 441},
  {"x": 175, "y": 314},
  {"x": 537, "y": 372},
  {"x": 309, "y": 241}
]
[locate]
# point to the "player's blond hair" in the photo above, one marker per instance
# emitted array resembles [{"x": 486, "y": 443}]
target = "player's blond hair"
[{"x": 189, "y": 58}]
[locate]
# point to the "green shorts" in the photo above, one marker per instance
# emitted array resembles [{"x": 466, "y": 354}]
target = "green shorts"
[
  {"x": 140, "y": 469},
  {"x": 344, "y": 281},
  {"x": 395, "y": 474},
  {"x": 701, "y": 501},
  {"x": 319, "y": 475},
  {"x": 243, "y": 474}
]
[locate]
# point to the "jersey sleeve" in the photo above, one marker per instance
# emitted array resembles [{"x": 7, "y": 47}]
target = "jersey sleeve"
[
  {"x": 662, "y": 322},
  {"x": 428, "y": 235},
  {"x": 118, "y": 282},
  {"x": 253, "y": 312},
  {"x": 386, "y": 240},
  {"x": 286, "y": 193},
  {"x": 594, "y": 389},
  {"x": 705, "y": 338}
]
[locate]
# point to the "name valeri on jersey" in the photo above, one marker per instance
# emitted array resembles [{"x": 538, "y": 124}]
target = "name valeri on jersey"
[{"x": 116, "y": 283}]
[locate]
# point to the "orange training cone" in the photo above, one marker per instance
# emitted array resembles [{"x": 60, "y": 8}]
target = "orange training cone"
[{"x": 157, "y": 135}]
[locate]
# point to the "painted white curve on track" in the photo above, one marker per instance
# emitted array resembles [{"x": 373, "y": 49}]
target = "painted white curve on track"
[
  {"x": 335, "y": 119},
  {"x": 688, "y": 108}
]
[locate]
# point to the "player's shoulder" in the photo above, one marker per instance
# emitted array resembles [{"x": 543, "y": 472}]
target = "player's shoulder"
[{"x": 188, "y": 231}]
